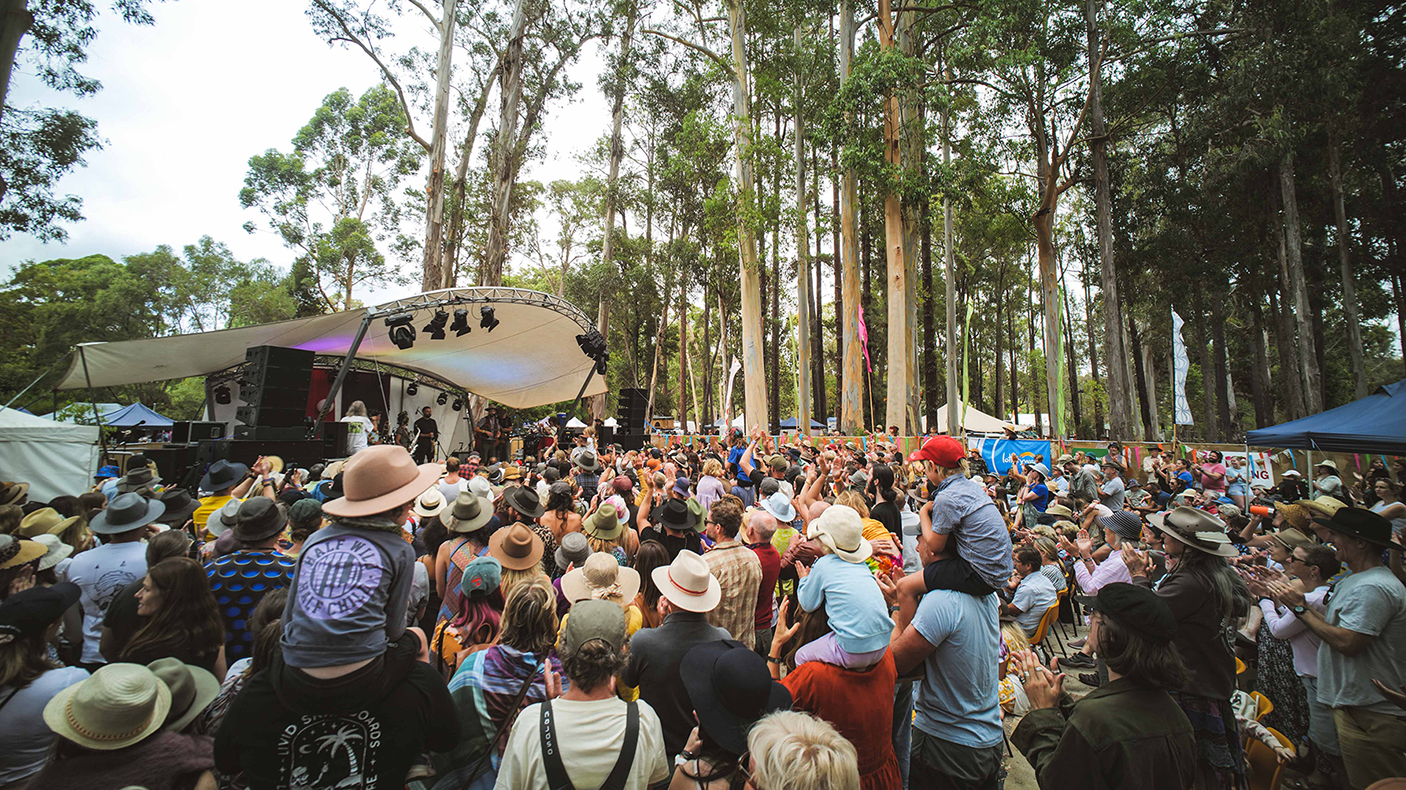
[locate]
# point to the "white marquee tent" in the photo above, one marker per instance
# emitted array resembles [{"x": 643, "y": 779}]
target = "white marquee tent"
[
  {"x": 55, "y": 458},
  {"x": 973, "y": 420}
]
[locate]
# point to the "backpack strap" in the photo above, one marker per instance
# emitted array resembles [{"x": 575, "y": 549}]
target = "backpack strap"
[
  {"x": 621, "y": 772},
  {"x": 551, "y": 752}
]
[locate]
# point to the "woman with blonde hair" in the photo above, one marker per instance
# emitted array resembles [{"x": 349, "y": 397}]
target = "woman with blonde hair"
[
  {"x": 787, "y": 750},
  {"x": 710, "y": 485}
]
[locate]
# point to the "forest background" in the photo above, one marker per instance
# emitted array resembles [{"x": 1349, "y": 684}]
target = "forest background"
[{"x": 1015, "y": 193}]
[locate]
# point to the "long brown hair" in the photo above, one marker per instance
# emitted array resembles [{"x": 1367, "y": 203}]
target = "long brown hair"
[
  {"x": 189, "y": 615},
  {"x": 23, "y": 659}
]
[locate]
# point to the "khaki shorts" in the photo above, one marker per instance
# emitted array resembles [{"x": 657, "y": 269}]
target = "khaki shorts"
[{"x": 1373, "y": 744}]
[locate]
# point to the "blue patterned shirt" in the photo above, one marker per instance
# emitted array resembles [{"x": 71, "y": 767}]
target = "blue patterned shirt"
[{"x": 240, "y": 580}]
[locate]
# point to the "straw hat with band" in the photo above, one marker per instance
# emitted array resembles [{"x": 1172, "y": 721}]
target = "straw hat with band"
[
  {"x": 524, "y": 500},
  {"x": 468, "y": 513},
  {"x": 31, "y": 612},
  {"x": 118, "y": 705},
  {"x": 223, "y": 474},
  {"x": 13, "y": 493},
  {"x": 1196, "y": 528},
  {"x": 1295, "y": 514},
  {"x": 688, "y": 583},
  {"x": 600, "y": 577},
  {"x": 604, "y": 524},
  {"x": 516, "y": 547},
  {"x": 1329, "y": 463},
  {"x": 125, "y": 513},
  {"x": 17, "y": 551},
  {"x": 1362, "y": 524},
  {"x": 1324, "y": 506},
  {"x": 573, "y": 551},
  {"x": 222, "y": 520},
  {"x": 378, "y": 479},
  {"x": 180, "y": 505},
  {"x": 44, "y": 521},
  {"x": 55, "y": 551},
  {"x": 430, "y": 503},
  {"x": 192, "y": 690},
  {"x": 842, "y": 531},
  {"x": 730, "y": 688},
  {"x": 1059, "y": 511}
]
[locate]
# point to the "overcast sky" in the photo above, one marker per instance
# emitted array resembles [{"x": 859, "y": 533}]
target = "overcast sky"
[{"x": 187, "y": 101}]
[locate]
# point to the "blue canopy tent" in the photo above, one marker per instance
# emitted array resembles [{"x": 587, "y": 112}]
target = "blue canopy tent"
[
  {"x": 791, "y": 423},
  {"x": 131, "y": 416},
  {"x": 1374, "y": 424}
]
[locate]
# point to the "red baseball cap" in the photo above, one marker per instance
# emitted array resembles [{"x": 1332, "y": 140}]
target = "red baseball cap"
[{"x": 941, "y": 450}]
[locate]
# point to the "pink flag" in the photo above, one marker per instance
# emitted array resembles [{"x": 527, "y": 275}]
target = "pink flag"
[{"x": 864, "y": 338}]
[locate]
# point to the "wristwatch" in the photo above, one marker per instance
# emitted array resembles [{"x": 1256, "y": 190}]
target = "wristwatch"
[
  {"x": 683, "y": 757},
  {"x": 1297, "y": 610}
]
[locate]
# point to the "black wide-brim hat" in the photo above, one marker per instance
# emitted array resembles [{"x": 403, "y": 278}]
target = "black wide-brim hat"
[
  {"x": 524, "y": 500},
  {"x": 730, "y": 688},
  {"x": 125, "y": 513},
  {"x": 673, "y": 513},
  {"x": 180, "y": 505},
  {"x": 1361, "y": 523},
  {"x": 222, "y": 474}
]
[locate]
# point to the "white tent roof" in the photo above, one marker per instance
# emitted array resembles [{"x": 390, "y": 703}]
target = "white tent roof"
[
  {"x": 530, "y": 359},
  {"x": 55, "y": 458},
  {"x": 973, "y": 420}
]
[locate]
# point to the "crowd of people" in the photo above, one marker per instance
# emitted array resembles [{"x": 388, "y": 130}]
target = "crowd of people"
[{"x": 746, "y": 613}]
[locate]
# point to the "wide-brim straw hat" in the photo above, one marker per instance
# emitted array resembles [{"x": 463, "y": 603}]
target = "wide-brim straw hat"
[
  {"x": 118, "y": 705},
  {"x": 44, "y": 521},
  {"x": 601, "y": 577},
  {"x": 1196, "y": 528},
  {"x": 688, "y": 583},
  {"x": 378, "y": 479},
  {"x": 841, "y": 529},
  {"x": 18, "y": 551}
]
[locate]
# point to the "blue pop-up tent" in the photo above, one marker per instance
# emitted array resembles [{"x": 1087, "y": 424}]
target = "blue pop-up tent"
[
  {"x": 1374, "y": 424},
  {"x": 134, "y": 415},
  {"x": 791, "y": 423}
]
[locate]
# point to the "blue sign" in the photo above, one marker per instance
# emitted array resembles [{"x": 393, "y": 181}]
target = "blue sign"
[{"x": 997, "y": 452}]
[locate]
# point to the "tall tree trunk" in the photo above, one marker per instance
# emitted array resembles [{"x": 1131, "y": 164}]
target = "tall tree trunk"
[
  {"x": 504, "y": 166},
  {"x": 851, "y": 395},
  {"x": 753, "y": 364},
  {"x": 817, "y": 358},
  {"x": 450, "y": 266},
  {"x": 1119, "y": 392},
  {"x": 1000, "y": 398},
  {"x": 1354, "y": 330},
  {"x": 1093, "y": 350},
  {"x": 1141, "y": 362},
  {"x": 432, "y": 267},
  {"x": 15, "y": 20},
  {"x": 1308, "y": 361},
  {"x": 803, "y": 391},
  {"x": 954, "y": 417},
  {"x": 774, "y": 363},
  {"x": 683, "y": 357},
  {"x": 896, "y": 296},
  {"x": 1222, "y": 363},
  {"x": 1015, "y": 369},
  {"x": 913, "y": 132},
  {"x": 1071, "y": 362},
  {"x": 1259, "y": 378},
  {"x": 1030, "y": 358},
  {"x": 1149, "y": 373},
  {"x": 658, "y": 344},
  {"x": 930, "y": 394},
  {"x": 1285, "y": 341},
  {"x": 1210, "y": 429}
]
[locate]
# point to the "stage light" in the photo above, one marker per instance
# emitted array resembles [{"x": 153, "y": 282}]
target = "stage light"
[
  {"x": 402, "y": 331},
  {"x": 412, "y": 389},
  {"x": 435, "y": 328},
  {"x": 601, "y": 363},
  {"x": 442, "y": 399},
  {"x": 458, "y": 405},
  {"x": 593, "y": 345},
  {"x": 488, "y": 321},
  {"x": 222, "y": 395},
  {"x": 461, "y": 323}
]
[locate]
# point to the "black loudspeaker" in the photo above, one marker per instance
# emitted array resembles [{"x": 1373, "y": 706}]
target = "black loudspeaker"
[
  {"x": 604, "y": 435},
  {"x": 303, "y": 452},
  {"x": 275, "y": 386},
  {"x": 334, "y": 440},
  {"x": 629, "y": 442},
  {"x": 633, "y": 402},
  {"x": 186, "y": 432},
  {"x": 270, "y": 433},
  {"x": 171, "y": 461}
]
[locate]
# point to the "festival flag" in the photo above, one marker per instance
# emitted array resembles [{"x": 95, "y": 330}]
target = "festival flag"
[
  {"x": 864, "y": 338},
  {"x": 1180, "y": 366}
]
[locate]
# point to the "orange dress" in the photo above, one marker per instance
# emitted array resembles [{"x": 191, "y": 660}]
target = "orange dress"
[{"x": 859, "y": 703}]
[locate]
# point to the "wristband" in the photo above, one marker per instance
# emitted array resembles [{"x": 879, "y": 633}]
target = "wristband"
[{"x": 773, "y": 659}]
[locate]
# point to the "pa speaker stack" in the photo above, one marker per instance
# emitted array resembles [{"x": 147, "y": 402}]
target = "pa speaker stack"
[
  {"x": 275, "y": 387},
  {"x": 631, "y": 430}
]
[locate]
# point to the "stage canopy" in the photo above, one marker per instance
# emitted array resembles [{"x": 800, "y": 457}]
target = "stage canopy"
[
  {"x": 134, "y": 415},
  {"x": 1374, "y": 424},
  {"x": 529, "y": 359},
  {"x": 973, "y": 420}
]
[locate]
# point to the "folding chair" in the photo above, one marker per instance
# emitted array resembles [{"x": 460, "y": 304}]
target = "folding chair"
[
  {"x": 1263, "y": 707},
  {"x": 1043, "y": 630},
  {"x": 1266, "y": 771}
]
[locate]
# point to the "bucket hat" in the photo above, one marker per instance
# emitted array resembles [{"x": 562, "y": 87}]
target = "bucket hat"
[
  {"x": 517, "y": 547},
  {"x": 125, "y": 513},
  {"x": 573, "y": 551},
  {"x": 379, "y": 478},
  {"x": 1125, "y": 524},
  {"x": 192, "y": 690},
  {"x": 222, "y": 474},
  {"x": 1196, "y": 528},
  {"x": 730, "y": 688},
  {"x": 842, "y": 531},
  {"x": 259, "y": 519},
  {"x": 118, "y": 705},
  {"x": 600, "y": 577},
  {"x": 468, "y": 513},
  {"x": 55, "y": 550},
  {"x": 688, "y": 583}
]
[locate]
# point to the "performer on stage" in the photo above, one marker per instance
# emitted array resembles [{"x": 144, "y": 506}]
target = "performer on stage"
[
  {"x": 486, "y": 434},
  {"x": 428, "y": 433}
]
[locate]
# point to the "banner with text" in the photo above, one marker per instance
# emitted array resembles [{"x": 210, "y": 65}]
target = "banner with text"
[{"x": 997, "y": 452}]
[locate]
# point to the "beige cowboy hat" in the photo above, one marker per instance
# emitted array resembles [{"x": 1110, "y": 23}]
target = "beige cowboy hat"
[
  {"x": 1324, "y": 506},
  {"x": 688, "y": 583},
  {"x": 1196, "y": 528},
  {"x": 192, "y": 690},
  {"x": 380, "y": 478},
  {"x": 117, "y": 706},
  {"x": 468, "y": 513},
  {"x": 842, "y": 531},
  {"x": 516, "y": 547},
  {"x": 1328, "y": 462},
  {"x": 601, "y": 577},
  {"x": 44, "y": 521},
  {"x": 1059, "y": 510}
]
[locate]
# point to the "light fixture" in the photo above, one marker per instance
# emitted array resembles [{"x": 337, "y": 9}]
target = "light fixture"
[
  {"x": 402, "y": 331},
  {"x": 488, "y": 321},
  {"x": 222, "y": 395},
  {"x": 458, "y": 405},
  {"x": 412, "y": 389},
  {"x": 592, "y": 344},
  {"x": 442, "y": 399},
  {"x": 461, "y": 323},
  {"x": 435, "y": 328}
]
